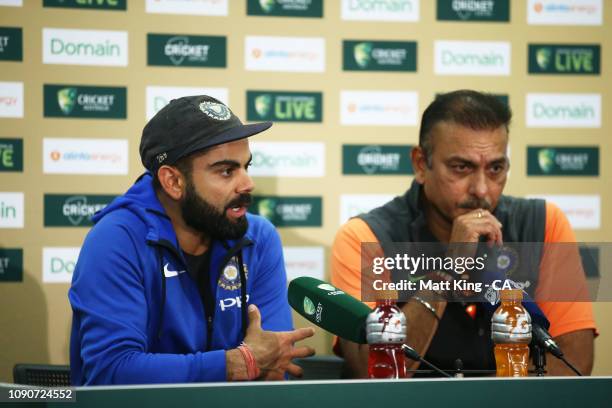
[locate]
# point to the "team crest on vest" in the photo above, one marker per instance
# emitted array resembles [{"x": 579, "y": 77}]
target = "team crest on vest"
[
  {"x": 507, "y": 260},
  {"x": 230, "y": 277}
]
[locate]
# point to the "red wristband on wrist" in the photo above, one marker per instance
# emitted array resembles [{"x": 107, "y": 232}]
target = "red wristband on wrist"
[{"x": 251, "y": 366}]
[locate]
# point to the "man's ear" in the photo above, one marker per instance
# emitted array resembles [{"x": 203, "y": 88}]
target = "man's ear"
[
  {"x": 172, "y": 181},
  {"x": 419, "y": 164}
]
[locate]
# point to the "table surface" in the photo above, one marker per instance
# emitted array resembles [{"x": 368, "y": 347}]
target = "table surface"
[{"x": 474, "y": 392}]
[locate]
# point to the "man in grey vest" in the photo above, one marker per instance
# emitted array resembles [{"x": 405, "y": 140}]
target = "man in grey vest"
[{"x": 461, "y": 167}]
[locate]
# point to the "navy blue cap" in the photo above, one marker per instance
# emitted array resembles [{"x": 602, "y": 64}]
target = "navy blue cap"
[{"x": 187, "y": 125}]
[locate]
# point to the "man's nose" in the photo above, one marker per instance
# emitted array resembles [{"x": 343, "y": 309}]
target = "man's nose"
[
  {"x": 246, "y": 184},
  {"x": 478, "y": 186}
]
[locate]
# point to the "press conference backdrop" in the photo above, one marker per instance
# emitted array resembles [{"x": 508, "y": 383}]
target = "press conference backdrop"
[{"x": 345, "y": 83}]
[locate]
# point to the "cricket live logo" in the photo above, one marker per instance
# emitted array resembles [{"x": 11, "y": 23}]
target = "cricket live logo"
[{"x": 564, "y": 59}]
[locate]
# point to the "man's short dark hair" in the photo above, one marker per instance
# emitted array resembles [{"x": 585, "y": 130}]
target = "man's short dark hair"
[
  {"x": 467, "y": 108},
  {"x": 184, "y": 165}
]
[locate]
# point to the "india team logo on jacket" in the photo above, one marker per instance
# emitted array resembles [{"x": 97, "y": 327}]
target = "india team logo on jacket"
[{"x": 230, "y": 278}]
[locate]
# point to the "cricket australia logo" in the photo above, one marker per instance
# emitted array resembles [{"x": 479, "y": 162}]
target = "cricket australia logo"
[{"x": 230, "y": 278}]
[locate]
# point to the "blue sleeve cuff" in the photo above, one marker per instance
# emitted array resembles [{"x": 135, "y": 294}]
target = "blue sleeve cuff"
[{"x": 212, "y": 366}]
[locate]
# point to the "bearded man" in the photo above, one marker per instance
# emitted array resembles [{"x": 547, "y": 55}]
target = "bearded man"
[{"x": 176, "y": 282}]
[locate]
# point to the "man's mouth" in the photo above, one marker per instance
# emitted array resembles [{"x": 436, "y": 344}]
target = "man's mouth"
[
  {"x": 238, "y": 207},
  {"x": 236, "y": 211}
]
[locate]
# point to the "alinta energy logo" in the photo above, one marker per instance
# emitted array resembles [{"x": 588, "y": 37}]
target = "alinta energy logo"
[
  {"x": 284, "y": 54},
  {"x": 574, "y": 59},
  {"x": 64, "y": 210},
  {"x": 85, "y": 101},
  {"x": 284, "y": 106},
  {"x": 186, "y": 50},
  {"x": 565, "y": 12}
]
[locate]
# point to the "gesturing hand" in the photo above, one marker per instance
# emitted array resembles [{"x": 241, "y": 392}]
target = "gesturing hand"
[{"x": 273, "y": 351}]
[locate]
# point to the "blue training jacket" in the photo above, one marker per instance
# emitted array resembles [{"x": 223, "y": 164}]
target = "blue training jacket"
[{"x": 137, "y": 314}]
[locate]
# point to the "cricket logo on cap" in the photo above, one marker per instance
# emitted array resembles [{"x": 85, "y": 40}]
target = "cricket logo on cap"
[{"x": 215, "y": 110}]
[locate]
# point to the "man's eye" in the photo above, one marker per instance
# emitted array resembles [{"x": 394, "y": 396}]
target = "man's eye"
[
  {"x": 496, "y": 169},
  {"x": 227, "y": 172},
  {"x": 460, "y": 168}
]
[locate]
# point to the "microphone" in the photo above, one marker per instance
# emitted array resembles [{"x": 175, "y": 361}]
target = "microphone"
[{"x": 330, "y": 308}]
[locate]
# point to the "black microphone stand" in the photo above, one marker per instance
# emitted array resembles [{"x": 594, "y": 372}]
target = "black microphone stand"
[{"x": 539, "y": 360}]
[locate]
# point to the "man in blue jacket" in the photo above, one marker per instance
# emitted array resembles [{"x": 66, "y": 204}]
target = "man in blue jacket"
[{"x": 163, "y": 281}]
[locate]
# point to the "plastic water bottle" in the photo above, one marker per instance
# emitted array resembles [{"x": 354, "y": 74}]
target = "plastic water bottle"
[
  {"x": 386, "y": 332},
  {"x": 511, "y": 333}
]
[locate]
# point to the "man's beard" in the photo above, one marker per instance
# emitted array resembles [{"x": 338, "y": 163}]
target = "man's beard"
[{"x": 205, "y": 218}]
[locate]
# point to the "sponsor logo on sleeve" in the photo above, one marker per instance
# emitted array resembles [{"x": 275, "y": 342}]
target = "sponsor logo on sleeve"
[
  {"x": 59, "y": 264},
  {"x": 287, "y": 159},
  {"x": 11, "y": 44},
  {"x": 565, "y": 12},
  {"x": 85, "y": 156},
  {"x": 284, "y": 106},
  {"x": 289, "y": 211},
  {"x": 381, "y": 10},
  {"x": 11, "y": 99},
  {"x": 376, "y": 159},
  {"x": 189, "y": 7},
  {"x": 176, "y": 50},
  {"x": 378, "y": 108},
  {"x": 472, "y": 58},
  {"x": 563, "y": 110},
  {"x": 11, "y": 265},
  {"x": 379, "y": 55},
  {"x": 284, "y": 54},
  {"x": 11, "y": 155},
  {"x": 285, "y": 8},
  {"x": 562, "y": 161},
  {"x": 94, "y": 102},
  {"x": 88, "y": 4},
  {"x": 11, "y": 210},
  {"x": 473, "y": 10},
  {"x": 64, "y": 210},
  {"x": 85, "y": 47}
]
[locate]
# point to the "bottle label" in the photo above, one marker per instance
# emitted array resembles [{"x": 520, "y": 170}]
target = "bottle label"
[{"x": 523, "y": 324}]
